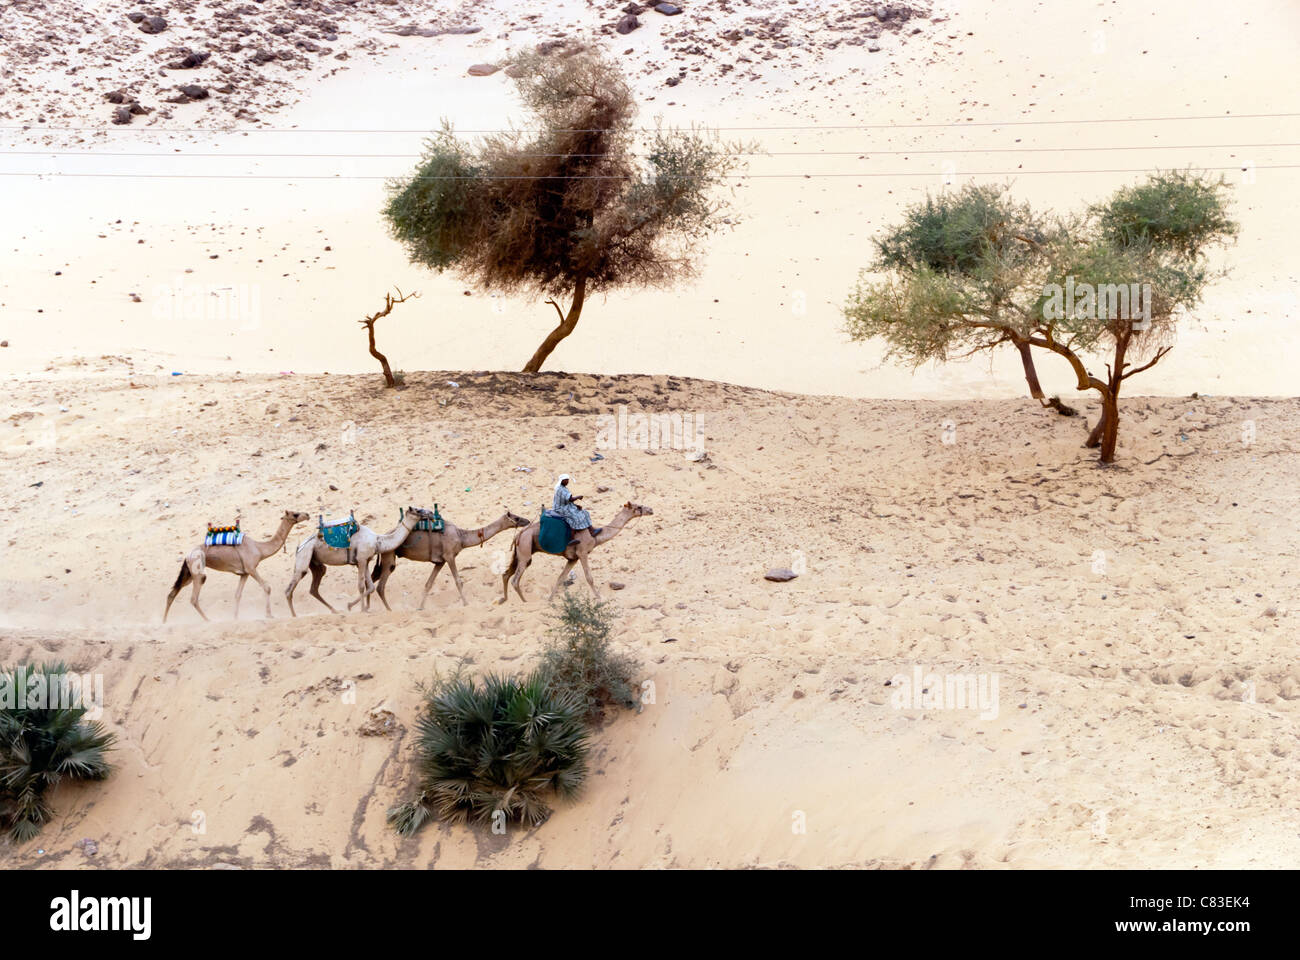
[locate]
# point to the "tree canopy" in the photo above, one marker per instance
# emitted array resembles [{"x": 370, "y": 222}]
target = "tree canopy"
[
  {"x": 564, "y": 207},
  {"x": 971, "y": 269}
]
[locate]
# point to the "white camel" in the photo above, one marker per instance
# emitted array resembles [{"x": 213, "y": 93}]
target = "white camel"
[{"x": 315, "y": 555}]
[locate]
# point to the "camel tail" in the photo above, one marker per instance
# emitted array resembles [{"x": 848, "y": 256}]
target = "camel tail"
[
  {"x": 182, "y": 577},
  {"x": 379, "y": 566}
]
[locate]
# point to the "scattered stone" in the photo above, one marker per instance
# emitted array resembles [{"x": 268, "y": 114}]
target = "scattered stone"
[
  {"x": 668, "y": 9},
  {"x": 615, "y": 585},
  {"x": 189, "y": 61},
  {"x": 798, "y": 694},
  {"x": 381, "y": 723},
  {"x": 628, "y": 24},
  {"x": 602, "y": 489},
  {"x": 483, "y": 69},
  {"x": 152, "y": 25},
  {"x": 780, "y": 574}
]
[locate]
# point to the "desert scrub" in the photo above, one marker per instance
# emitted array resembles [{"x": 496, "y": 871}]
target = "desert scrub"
[
  {"x": 43, "y": 741},
  {"x": 579, "y": 660},
  {"x": 494, "y": 751}
]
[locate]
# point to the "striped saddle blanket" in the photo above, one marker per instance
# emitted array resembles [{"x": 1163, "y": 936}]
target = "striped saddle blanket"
[
  {"x": 431, "y": 526},
  {"x": 338, "y": 533},
  {"x": 227, "y": 536}
]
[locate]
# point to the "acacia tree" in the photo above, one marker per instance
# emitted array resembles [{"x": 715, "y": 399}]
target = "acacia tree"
[
  {"x": 963, "y": 271},
  {"x": 564, "y": 209},
  {"x": 1138, "y": 261},
  {"x": 1148, "y": 241}
]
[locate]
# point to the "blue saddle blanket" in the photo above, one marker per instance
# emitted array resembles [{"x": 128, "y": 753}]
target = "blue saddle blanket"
[{"x": 223, "y": 538}]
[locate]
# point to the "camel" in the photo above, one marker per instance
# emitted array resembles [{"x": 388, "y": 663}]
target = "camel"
[
  {"x": 315, "y": 555},
  {"x": 439, "y": 549},
  {"x": 242, "y": 560},
  {"x": 580, "y": 545}
]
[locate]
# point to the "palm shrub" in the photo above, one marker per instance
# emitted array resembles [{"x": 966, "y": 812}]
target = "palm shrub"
[
  {"x": 578, "y": 658},
  {"x": 506, "y": 744},
  {"x": 41, "y": 745}
]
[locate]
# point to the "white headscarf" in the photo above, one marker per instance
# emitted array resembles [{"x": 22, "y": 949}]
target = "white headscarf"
[{"x": 560, "y": 482}]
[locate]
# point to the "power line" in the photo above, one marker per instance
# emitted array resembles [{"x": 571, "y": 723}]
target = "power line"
[
  {"x": 857, "y": 126},
  {"x": 736, "y": 176},
  {"x": 747, "y": 153}
]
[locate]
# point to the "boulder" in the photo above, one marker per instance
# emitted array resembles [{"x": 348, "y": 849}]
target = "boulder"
[
  {"x": 483, "y": 69},
  {"x": 780, "y": 574}
]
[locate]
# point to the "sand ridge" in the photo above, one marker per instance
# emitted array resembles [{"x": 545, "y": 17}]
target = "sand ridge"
[{"x": 1144, "y": 713}]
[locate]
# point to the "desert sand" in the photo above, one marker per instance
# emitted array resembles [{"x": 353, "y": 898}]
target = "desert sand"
[{"x": 1138, "y": 620}]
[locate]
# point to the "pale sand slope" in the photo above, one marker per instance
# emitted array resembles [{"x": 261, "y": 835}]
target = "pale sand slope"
[
  {"x": 1125, "y": 734},
  {"x": 799, "y": 243}
]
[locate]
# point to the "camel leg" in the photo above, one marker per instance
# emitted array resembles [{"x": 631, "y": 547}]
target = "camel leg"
[
  {"x": 385, "y": 571},
  {"x": 197, "y": 567},
  {"x": 451, "y": 565},
  {"x": 586, "y": 569},
  {"x": 318, "y": 574},
  {"x": 365, "y": 585},
  {"x": 265, "y": 590},
  {"x": 428, "y": 584},
  {"x": 239, "y": 592},
  {"x": 525, "y": 558},
  {"x": 181, "y": 579},
  {"x": 563, "y": 573}
]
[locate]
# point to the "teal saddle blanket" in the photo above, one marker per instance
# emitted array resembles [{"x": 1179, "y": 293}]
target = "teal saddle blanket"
[
  {"x": 430, "y": 526},
  {"x": 339, "y": 533},
  {"x": 554, "y": 534}
]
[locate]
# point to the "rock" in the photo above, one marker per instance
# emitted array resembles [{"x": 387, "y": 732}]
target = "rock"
[
  {"x": 668, "y": 9},
  {"x": 602, "y": 489},
  {"x": 4, "y": 343},
  {"x": 615, "y": 585},
  {"x": 697, "y": 456},
  {"x": 189, "y": 61},
  {"x": 673, "y": 81},
  {"x": 873, "y": 47},
  {"x": 122, "y": 115},
  {"x": 194, "y": 91},
  {"x": 628, "y": 24},
  {"x": 780, "y": 574},
  {"x": 483, "y": 69},
  {"x": 798, "y": 694},
  {"x": 380, "y": 723},
  {"x": 153, "y": 25},
  {"x": 135, "y": 16}
]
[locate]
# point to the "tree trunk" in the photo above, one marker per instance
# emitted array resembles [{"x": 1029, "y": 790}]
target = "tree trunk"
[
  {"x": 389, "y": 380},
  {"x": 1094, "y": 438},
  {"x": 565, "y": 327},
  {"x": 1031, "y": 375},
  {"x": 1109, "y": 425}
]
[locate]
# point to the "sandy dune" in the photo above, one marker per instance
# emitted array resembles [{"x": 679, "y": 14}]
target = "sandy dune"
[{"x": 1145, "y": 709}]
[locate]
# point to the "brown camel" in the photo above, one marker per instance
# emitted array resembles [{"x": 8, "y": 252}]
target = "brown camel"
[
  {"x": 580, "y": 545},
  {"x": 440, "y": 549},
  {"x": 242, "y": 560}
]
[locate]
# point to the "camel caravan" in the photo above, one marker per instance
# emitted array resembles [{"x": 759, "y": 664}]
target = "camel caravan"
[{"x": 421, "y": 535}]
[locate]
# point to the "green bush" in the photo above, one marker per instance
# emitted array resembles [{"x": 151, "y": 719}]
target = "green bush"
[
  {"x": 579, "y": 661},
  {"x": 506, "y": 744},
  {"x": 42, "y": 745}
]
